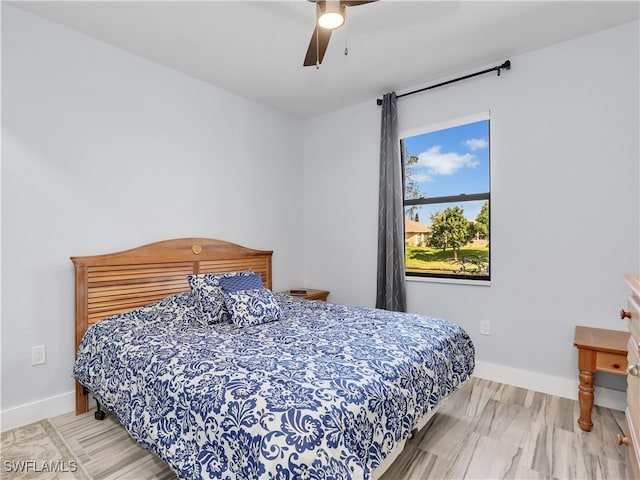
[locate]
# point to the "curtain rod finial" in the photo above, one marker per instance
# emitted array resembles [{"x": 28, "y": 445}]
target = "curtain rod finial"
[
  {"x": 506, "y": 65},
  {"x": 379, "y": 101}
]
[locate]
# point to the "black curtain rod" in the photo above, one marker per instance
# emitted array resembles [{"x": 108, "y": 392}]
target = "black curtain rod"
[{"x": 506, "y": 66}]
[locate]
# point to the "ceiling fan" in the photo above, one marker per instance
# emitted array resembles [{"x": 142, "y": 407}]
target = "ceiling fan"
[{"x": 329, "y": 16}]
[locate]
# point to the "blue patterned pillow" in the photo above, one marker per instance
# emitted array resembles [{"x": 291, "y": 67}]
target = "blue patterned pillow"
[
  {"x": 252, "y": 307},
  {"x": 209, "y": 295},
  {"x": 241, "y": 282},
  {"x": 181, "y": 308}
]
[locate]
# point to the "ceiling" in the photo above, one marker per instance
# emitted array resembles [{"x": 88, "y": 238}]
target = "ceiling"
[{"x": 256, "y": 48}]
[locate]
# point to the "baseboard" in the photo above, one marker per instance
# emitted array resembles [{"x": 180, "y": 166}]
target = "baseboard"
[
  {"x": 35, "y": 411},
  {"x": 561, "y": 387}
]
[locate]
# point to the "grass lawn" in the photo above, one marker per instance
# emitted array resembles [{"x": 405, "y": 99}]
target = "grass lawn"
[{"x": 435, "y": 260}]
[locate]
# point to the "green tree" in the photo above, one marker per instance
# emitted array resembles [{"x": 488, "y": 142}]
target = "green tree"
[
  {"x": 411, "y": 187},
  {"x": 471, "y": 230},
  {"x": 482, "y": 222},
  {"x": 450, "y": 229}
]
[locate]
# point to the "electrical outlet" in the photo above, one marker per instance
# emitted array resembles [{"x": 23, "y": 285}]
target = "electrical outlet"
[
  {"x": 38, "y": 355},
  {"x": 485, "y": 327}
]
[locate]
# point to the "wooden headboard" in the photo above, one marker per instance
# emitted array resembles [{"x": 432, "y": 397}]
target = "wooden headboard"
[{"x": 117, "y": 282}]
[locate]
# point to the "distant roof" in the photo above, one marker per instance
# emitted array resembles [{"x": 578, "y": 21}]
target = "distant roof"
[{"x": 411, "y": 226}]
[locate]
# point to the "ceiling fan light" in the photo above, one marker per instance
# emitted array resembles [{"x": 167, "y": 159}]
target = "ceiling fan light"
[
  {"x": 330, "y": 20},
  {"x": 331, "y": 14}
]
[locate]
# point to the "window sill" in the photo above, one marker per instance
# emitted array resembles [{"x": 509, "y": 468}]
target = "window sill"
[{"x": 456, "y": 281}]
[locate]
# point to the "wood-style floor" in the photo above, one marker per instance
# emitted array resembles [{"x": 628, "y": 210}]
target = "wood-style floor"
[{"x": 486, "y": 430}]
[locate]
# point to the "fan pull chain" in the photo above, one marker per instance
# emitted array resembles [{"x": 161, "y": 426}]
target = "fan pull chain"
[
  {"x": 346, "y": 37},
  {"x": 317, "y": 48}
]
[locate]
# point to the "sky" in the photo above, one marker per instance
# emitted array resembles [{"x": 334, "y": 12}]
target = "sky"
[{"x": 450, "y": 162}]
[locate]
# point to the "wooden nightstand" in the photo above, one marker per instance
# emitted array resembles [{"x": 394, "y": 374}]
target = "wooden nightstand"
[
  {"x": 311, "y": 294},
  {"x": 598, "y": 350}
]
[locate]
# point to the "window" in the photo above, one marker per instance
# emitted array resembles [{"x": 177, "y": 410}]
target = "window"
[{"x": 447, "y": 199}]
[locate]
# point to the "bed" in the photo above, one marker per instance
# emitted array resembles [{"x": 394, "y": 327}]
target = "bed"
[{"x": 300, "y": 389}]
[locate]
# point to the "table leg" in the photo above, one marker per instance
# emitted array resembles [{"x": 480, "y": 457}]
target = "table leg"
[{"x": 587, "y": 367}]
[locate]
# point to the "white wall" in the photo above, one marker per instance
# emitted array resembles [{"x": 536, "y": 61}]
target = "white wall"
[
  {"x": 103, "y": 151},
  {"x": 565, "y": 213},
  {"x": 340, "y": 178}
]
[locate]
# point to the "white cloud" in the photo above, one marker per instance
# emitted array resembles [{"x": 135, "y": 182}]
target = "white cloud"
[
  {"x": 476, "y": 143},
  {"x": 422, "y": 177},
  {"x": 438, "y": 163}
]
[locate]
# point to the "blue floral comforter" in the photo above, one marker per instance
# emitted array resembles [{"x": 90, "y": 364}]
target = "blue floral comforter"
[{"x": 324, "y": 393}]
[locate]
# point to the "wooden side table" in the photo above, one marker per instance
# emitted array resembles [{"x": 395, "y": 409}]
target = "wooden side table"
[
  {"x": 311, "y": 294},
  {"x": 598, "y": 350}
]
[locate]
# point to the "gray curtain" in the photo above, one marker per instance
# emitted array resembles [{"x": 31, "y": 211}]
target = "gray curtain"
[{"x": 391, "y": 293}]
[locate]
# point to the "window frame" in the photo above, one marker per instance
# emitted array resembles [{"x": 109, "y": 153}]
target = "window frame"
[{"x": 449, "y": 199}]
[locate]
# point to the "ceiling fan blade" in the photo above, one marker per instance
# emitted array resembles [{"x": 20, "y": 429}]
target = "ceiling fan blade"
[
  {"x": 317, "y": 46},
  {"x": 355, "y": 3}
]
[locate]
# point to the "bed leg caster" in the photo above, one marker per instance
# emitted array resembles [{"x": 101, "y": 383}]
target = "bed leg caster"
[{"x": 99, "y": 414}]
